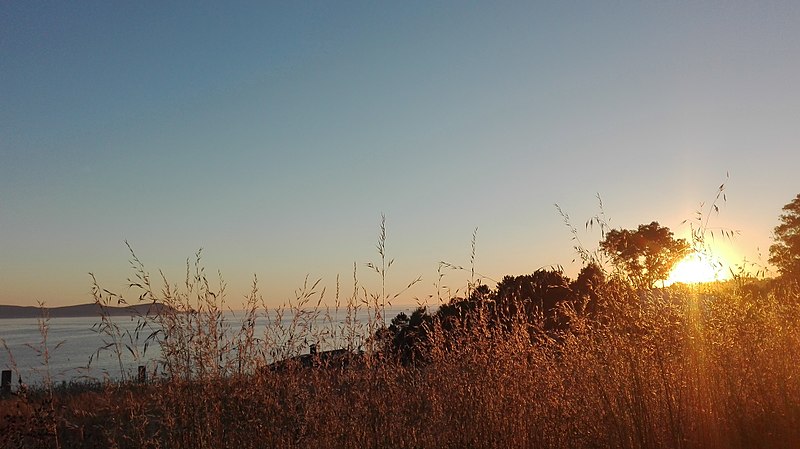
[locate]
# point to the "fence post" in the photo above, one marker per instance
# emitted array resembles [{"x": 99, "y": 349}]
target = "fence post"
[
  {"x": 5, "y": 382},
  {"x": 142, "y": 374}
]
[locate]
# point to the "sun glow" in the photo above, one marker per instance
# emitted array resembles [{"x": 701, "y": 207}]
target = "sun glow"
[{"x": 696, "y": 268}]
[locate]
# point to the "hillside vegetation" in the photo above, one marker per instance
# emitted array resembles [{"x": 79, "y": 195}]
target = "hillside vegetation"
[
  {"x": 713, "y": 365},
  {"x": 539, "y": 361}
]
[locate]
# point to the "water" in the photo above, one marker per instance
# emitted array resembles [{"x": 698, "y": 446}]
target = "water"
[{"x": 73, "y": 342}]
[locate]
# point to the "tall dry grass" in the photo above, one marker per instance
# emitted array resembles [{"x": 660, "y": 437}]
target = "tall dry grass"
[{"x": 710, "y": 366}]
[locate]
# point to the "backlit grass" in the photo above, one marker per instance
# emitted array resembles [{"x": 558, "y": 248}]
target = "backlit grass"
[{"x": 712, "y": 365}]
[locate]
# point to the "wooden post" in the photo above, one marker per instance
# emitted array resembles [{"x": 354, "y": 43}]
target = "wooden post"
[
  {"x": 5, "y": 382},
  {"x": 142, "y": 374}
]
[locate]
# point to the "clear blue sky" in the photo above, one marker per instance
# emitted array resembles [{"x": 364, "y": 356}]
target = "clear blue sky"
[{"x": 274, "y": 135}]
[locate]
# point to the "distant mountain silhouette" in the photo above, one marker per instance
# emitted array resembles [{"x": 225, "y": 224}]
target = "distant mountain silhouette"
[{"x": 82, "y": 310}]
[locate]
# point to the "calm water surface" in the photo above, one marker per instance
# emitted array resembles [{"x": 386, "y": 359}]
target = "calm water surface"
[{"x": 72, "y": 342}]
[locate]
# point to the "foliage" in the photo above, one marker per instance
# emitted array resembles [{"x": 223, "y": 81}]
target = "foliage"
[
  {"x": 645, "y": 255},
  {"x": 407, "y": 336},
  {"x": 785, "y": 252},
  {"x": 712, "y": 366},
  {"x": 540, "y": 361},
  {"x": 543, "y": 298}
]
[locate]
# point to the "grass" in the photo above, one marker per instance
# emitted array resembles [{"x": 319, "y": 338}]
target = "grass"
[{"x": 714, "y": 365}]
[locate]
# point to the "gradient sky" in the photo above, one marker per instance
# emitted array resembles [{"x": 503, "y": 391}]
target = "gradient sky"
[{"x": 274, "y": 135}]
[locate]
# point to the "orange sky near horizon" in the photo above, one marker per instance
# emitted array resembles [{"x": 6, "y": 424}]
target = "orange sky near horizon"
[{"x": 274, "y": 136}]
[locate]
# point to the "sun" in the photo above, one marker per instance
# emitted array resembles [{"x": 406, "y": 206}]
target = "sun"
[{"x": 696, "y": 268}]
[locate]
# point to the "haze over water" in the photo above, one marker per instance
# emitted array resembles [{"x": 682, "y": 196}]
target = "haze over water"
[{"x": 77, "y": 342}]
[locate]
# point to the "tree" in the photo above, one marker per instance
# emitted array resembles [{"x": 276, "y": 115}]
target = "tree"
[
  {"x": 785, "y": 252},
  {"x": 534, "y": 298},
  {"x": 589, "y": 279},
  {"x": 406, "y": 338},
  {"x": 587, "y": 285},
  {"x": 645, "y": 255},
  {"x": 538, "y": 293}
]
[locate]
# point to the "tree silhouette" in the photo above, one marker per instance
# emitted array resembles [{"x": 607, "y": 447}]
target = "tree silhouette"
[
  {"x": 586, "y": 286},
  {"x": 535, "y": 295},
  {"x": 534, "y": 298},
  {"x": 645, "y": 255},
  {"x": 785, "y": 252},
  {"x": 406, "y": 337},
  {"x": 589, "y": 278}
]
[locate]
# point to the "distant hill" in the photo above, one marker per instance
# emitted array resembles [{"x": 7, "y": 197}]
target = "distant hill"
[{"x": 82, "y": 310}]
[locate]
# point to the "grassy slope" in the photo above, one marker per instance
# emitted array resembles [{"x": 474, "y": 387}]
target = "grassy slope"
[{"x": 715, "y": 366}]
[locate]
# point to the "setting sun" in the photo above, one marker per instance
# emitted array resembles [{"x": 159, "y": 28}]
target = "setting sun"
[{"x": 696, "y": 268}]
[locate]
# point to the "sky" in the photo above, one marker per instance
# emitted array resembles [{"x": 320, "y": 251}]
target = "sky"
[{"x": 273, "y": 135}]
